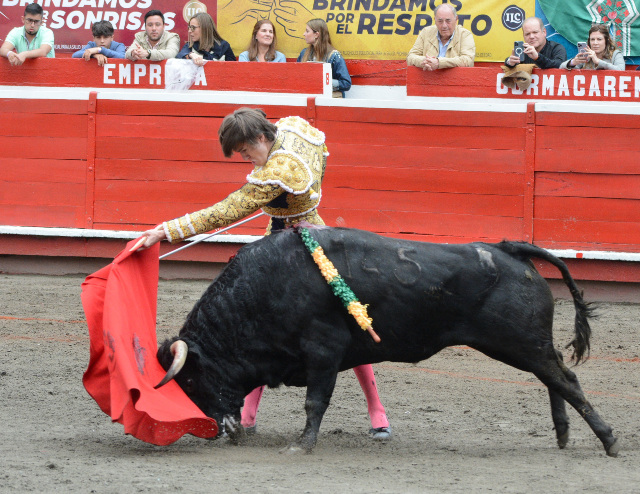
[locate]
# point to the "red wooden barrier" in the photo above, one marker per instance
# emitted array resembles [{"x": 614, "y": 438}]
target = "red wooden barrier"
[
  {"x": 296, "y": 78},
  {"x": 480, "y": 82},
  {"x": 424, "y": 174},
  {"x": 587, "y": 181},
  {"x": 560, "y": 174}
]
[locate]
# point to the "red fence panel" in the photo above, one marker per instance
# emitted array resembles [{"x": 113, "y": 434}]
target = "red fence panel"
[
  {"x": 587, "y": 185},
  {"x": 560, "y": 174},
  {"x": 43, "y": 147}
]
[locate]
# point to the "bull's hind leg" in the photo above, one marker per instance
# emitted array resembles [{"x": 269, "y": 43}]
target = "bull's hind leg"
[
  {"x": 560, "y": 418},
  {"x": 563, "y": 383},
  {"x": 559, "y": 414}
]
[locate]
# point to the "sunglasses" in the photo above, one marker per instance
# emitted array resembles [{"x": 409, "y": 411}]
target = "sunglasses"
[{"x": 193, "y": 28}]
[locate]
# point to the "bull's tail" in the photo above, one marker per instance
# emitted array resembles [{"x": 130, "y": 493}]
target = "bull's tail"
[{"x": 584, "y": 310}]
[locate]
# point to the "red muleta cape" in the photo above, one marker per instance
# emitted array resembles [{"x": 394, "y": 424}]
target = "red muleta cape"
[{"x": 120, "y": 303}]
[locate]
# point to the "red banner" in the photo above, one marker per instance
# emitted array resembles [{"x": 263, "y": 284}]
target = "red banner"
[{"x": 71, "y": 20}]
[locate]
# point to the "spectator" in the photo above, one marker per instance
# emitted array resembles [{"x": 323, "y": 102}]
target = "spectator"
[
  {"x": 538, "y": 50},
  {"x": 320, "y": 49},
  {"x": 154, "y": 43},
  {"x": 601, "y": 53},
  {"x": 262, "y": 47},
  {"x": 33, "y": 40},
  {"x": 204, "y": 42},
  {"x": 102, "y": 47},
  {"x": 444, "y": 45}
]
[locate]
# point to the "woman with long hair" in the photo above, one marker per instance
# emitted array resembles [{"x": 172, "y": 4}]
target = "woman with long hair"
[
  {"x": 204, "y": 42},
  {"x": 600, "y": 53},
  {"x": 262, "y": 47},
  {"x": 320, "y": 49}
]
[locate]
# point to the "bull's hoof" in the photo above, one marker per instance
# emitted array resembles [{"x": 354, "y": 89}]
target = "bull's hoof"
[
  {"x": 233, "y": 430},
  {"x": 563, "y": 439},
  {"x": 380, "y": 433},
  {"x": 613, "y": 449}
]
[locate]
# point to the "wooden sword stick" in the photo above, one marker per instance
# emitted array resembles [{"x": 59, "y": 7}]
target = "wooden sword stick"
[{"x": 190, "y": 244}]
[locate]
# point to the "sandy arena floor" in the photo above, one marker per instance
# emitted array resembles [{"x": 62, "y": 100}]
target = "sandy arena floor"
[{"x": 462, "y": 422}]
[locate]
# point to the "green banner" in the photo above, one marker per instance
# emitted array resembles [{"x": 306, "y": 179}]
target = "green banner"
[{"x": 573, "y": 19}]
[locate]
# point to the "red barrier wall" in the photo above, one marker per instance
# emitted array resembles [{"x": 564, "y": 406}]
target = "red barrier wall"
[
  {"x": 425, "y": 173},
  {"x": 295, "y": 78},
  {"x": 43, "y": 162},
  {"x": 562, "y": 175},
  {"x": 587, "y": 186},
  {"x": 486, "y": 82}
]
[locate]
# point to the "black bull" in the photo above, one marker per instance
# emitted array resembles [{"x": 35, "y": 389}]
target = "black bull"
[{"x": 270, "y": 318}]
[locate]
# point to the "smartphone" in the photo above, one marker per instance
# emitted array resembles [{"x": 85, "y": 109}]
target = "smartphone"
[
  {"x": 582, "y": 46},
  {"x": 518, "y": 49}
]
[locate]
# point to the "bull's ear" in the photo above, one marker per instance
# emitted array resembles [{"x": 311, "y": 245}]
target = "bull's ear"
[{"x": 179, "y": 350}]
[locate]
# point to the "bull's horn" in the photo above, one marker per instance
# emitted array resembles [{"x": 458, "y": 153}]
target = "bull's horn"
[{"x": 179, "y": 350}]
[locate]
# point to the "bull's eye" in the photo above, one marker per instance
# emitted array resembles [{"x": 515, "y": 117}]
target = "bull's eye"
[{"x": 189, "y": 386}]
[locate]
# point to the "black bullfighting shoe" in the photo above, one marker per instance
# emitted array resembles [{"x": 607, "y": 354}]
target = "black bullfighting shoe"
[{"x": 380, "y": 433}]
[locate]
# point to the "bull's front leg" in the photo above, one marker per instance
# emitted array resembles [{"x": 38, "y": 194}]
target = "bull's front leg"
[
  {"x": 323, "y": 347},
  {"x": 319, "y": 390},
  {"x": 322, "y": 366},
  {"x": 232, "y": 428}
]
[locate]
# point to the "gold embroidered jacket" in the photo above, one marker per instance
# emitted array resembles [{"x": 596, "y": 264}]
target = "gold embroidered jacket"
[{"x": 287, "y": 187}]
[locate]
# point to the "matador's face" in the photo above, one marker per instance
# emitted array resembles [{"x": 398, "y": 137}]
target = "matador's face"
[{"x": 257, "y": 153}]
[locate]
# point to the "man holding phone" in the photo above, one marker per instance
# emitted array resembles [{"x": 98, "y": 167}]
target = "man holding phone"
[{"x": 537, "y": 49}]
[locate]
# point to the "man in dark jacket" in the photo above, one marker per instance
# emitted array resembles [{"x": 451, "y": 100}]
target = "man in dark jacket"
[{"x": 538, "y": 50}]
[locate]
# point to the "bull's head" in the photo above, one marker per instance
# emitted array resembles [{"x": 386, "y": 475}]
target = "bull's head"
[{"x": 197, "y": 378}]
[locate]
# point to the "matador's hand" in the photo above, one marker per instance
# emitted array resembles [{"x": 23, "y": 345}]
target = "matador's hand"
[{"x": 149, "y": 238}]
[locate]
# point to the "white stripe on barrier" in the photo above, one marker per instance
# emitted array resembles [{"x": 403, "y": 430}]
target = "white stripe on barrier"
[
  {"x": 245, "y": 239},
  {"x": 390, "y": 100},
  {"x": 594, "y": 107},
  {"x": 38, "y": 231},
  {"x": 600, "y": 255},
  {"x": 426, "y": 103},
  {"x": 160, "y": 95},
  {"x": 227, "y": 97},
  {"x": 387, "y": 98},
  {"x": 40, "y": 93}
]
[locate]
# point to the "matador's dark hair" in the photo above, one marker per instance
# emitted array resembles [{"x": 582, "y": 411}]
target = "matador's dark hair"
[{"x": 245, "y": 125}]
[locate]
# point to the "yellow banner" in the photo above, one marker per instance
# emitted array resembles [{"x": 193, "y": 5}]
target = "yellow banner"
[{"x": 374, "y": 29}]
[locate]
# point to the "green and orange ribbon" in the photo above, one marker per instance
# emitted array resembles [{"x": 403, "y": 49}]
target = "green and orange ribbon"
[{"x": 338, "y": 285}]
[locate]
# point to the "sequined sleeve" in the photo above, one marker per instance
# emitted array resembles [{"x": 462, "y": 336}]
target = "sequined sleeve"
[{"x": 236, "y": 206}]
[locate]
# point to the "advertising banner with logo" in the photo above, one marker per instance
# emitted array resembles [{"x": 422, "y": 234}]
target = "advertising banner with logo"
[
  {"x": 360, "y": 29},
  {"x": 374, "y": 29},
  {"x": 71, "y": 20}
]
